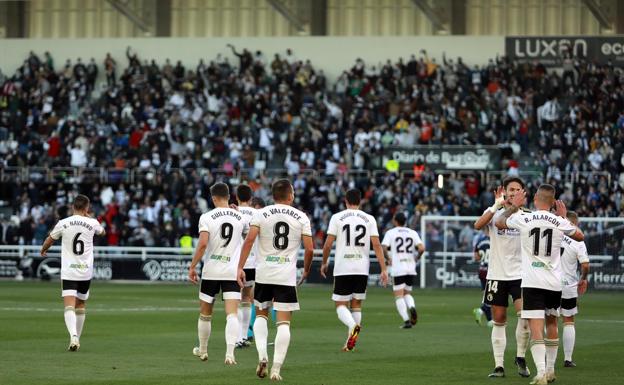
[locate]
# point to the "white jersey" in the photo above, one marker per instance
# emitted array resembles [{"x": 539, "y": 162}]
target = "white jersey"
[
  {"x": 77, "y": 234},
  {"x": 402, "y": 242},
  {"x": 353, "y": 230},
  {"x": 248, "y": 213},
  {"x": 225, "y": 228},
  {"x": 280, "y": 230},
  {"x": 505, "y": 257},
  {"x": 541, "y": 235},
  {"x": 573, "y": 253}
]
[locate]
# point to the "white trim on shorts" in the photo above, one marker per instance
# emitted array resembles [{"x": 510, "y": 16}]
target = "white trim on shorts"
[
  {"x": 206, "y": 298},
  {"x": 74, "y": 293},
  {"x": 402, "y": 286},
  {"x": 341, "y": 298},
  {"x": 359, "y": 296},
  {"x": 262, "y": 305},
  {"x": 568, "y": 312},
  {"x": 284, "y": 306},
  {"x": 232, "y": 295},
  {"x": 533, "y": 314},
  {"x": 249, "y": 283},
  {"x": 552, "y": 312}
]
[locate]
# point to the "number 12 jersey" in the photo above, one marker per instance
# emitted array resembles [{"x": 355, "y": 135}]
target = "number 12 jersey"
[{"x": 353, "y": 230}]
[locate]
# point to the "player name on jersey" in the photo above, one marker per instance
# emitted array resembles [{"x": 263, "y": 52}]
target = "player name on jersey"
[
  {"x": 348, "y": 214},
  {"x": 218, "y": 214},
  {"x": 281, "y": 210},
  {"x": 81, "y": 223},
  {"x": 542, "y": 217}
]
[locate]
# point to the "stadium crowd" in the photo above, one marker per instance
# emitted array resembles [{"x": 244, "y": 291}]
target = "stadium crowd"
[{"x": 175, "y": 124}]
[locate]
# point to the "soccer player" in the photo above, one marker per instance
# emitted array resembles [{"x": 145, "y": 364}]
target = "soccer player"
[
  {"x": 572, "y": 254},
  {"x": 354, "y": 232},
  {"x": 244, "y": 195},
  {"x": 482, "y": 255},
  {"x": 77, "y": 233},
  {"x": 404, "y": 246},
  {"x": 280, "y": 230},
  {"x": 541, "y": 235},
  {"x": 504, "y": 278},
  {"x": 220, "y": 238}
]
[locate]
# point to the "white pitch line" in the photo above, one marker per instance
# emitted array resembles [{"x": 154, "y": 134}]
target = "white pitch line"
[{"x": 614, "y": 321}]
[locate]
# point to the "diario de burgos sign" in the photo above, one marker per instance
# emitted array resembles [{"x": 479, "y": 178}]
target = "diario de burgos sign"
[{"x": 446, "y": 157}]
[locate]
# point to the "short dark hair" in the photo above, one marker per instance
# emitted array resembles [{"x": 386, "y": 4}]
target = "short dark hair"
[
  {"x": 547, "y": 188},
  {"x": 353, "y": 196},
  {"x": 281, "y": 189},
  {"x": 81, "y": 202},
  {"x": 220, "y": 190},
  {"x": 257, "y": 202},
  {"x": 511, "y": 179},
  {"x": 400, "y": 218},
  {"x": 244, "y": 193},
  {"x": 572, "y": 216}
]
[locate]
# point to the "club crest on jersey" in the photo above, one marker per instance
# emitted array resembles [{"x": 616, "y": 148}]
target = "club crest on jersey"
[
  {"x": 277, "y": 259},
  {"x": 220, "y": 258}
]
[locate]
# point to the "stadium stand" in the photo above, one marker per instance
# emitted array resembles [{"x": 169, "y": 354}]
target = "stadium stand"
[{"x": 148, "y": 140}]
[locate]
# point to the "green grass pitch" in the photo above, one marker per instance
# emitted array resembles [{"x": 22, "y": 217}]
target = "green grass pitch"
[{"x": 144, "y": 334}]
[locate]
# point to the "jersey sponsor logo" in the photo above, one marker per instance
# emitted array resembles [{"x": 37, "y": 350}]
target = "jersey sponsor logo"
[
  {"x": 220, "y": 258},
  {"x": 538, "y": 264},
  {"x": 277, "y": 259},
  {"x": 352, "y": 256},
  {"x": 512, "y": 232},
  {"x": 78, "y": 266}
]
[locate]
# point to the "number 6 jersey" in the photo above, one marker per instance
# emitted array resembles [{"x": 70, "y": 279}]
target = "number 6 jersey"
[
  {"x": 279, "y": 238},
  {"x": 225, "y": 227},
  {"x": 77, "y": 246},
  {"x": 541, "y": 233}
]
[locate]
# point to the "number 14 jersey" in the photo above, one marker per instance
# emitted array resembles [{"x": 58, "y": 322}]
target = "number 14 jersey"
[
  {"x": 353, "y": 230},
  {"x": 279, "y": 239}
]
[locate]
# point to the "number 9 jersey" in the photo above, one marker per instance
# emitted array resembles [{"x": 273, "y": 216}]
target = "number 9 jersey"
[
  {"x": 279, "y": 239},
  {"x": 77, "y": 232},
  {"x": 225, "y": 227}
]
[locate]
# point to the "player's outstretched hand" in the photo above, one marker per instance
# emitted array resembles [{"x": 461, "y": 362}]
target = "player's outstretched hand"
[
  {"x": 560, "y": 208},
  {"x": 304, "y": 276},
  {"x": 193, "y": 275},
  {"x": 519, "y": 199},
  {"x": 384, "y": 278},
  {"x": 582, "y": 286},
  {"x": 240, "y": 277},
  {"x": 324, "y": 270}
]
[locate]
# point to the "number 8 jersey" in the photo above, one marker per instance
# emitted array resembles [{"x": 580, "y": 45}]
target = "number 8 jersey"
[
  {"x": 77, "y": 232},
  {"x": 279, "y": 239}
]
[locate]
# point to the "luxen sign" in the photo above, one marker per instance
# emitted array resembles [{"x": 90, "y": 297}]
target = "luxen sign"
[{"x": 550, "y": 50}]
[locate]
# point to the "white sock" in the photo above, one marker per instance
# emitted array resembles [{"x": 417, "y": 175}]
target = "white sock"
[
  {"x": 261, "y": 334},
  {"x": 522, "y": 337},
  {"x": 244, "y": 317},
  {"x": 232, "y": 329},
  {"x": 538, "y": 351},
  {"x": 344, "y": 315},
  {"x": 81, "y": 314},
  {"x": 552, "y": 345},
  {"x": 499, "y": 342},
  {"x": 282, "y": 340},
  {"x": 401, "y": 307},
  {"x": 70, "y": 320},
  {"x": 204, "y": 327},
  {"x": 569, "y": 335},
  {"x": 357, "y": 315},
  {"x": 409, "y": 301}
]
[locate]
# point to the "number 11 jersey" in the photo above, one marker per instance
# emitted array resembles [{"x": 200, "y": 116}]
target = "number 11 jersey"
[{"x": 279, "y": 239}]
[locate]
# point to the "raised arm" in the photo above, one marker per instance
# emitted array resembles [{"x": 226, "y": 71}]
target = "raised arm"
[
  {"x": 329, "y": 243},
  {"x": 199, "y": 253},
  {"x": 517, "y": 201},
  {"x": 499, "y": 201},
  {"x": 381, "y": 259}
]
